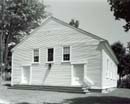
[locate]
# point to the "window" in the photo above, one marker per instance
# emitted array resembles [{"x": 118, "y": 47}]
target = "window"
[
  {"x": 107, "y": 69},
  {"x": 115, "y": 71},
  {"x": 36, "y": 55},
  {"x": 50, "y": 54},
  {"x": 113, "y": 75},
  {"x": 111, "y": 71},
  {"x": 66, "y": 53}
]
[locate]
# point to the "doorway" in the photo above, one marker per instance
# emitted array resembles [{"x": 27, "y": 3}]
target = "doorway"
[
  {"x": 78, "y": 74},
  {"x": 25, "y": 75}
]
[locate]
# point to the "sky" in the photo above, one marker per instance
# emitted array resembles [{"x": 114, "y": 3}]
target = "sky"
[{"x": 94, "y": 16}]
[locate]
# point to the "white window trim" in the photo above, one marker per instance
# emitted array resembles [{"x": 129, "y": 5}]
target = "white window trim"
[
  {"x": 63, "y": 52},
  {"x": 47, "y": 55},
  {"x": 111, "y": 70},
  {"x": 107, "y": 72},
  {"x": 33, "y": 56}
]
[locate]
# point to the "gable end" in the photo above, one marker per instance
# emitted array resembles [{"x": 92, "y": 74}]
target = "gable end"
[{"x": 62, "y": 23}]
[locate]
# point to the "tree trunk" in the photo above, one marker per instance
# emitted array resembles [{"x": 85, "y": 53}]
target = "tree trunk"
[
  {"x": 6, "y": 51},
  {"x": 1, "y": 56},
  {"x": 5, "y": 60},
  {"x": 119, "y": 82}
]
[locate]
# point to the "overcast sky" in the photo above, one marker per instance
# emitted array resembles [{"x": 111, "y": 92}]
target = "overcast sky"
[{"x": 94, "y": 16}]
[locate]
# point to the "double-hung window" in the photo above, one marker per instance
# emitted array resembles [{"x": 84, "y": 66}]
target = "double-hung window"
[
  {"x": 50, "y": 54},
  {"x": 36, "y": 55},
  {"x": 66, "y": 53}
]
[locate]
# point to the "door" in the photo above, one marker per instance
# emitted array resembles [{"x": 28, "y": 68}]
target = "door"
[
  {"x": 25, "y": 75},
  {"x": 78, "y": 74}
]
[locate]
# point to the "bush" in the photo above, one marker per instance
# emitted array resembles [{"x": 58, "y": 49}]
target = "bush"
[{"x": 125, "y": 82}]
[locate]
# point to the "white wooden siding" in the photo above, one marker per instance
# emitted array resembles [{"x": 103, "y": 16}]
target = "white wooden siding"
[
  {"x": 48, "y": 36},
  {"x": 20, "y": 58},
  {"x": 90, "y": 54},
  {"x": 59, "y": 75},
  {"x": 55, "y": 35},
  {"x": 109, "y": 75}
]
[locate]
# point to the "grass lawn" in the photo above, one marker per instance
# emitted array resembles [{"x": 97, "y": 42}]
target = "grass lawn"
[{"x": 118, "y": 96}]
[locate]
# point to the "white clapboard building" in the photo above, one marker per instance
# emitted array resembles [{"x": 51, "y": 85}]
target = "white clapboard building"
[{"x": 59, "y": 55}]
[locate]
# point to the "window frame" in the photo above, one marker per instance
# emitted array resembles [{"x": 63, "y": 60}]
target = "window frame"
[
  {"x": 111, "y": 71},
  {"x": 108, "y": 69},
  {"x": 33, "y": 56},
  {"x": 63, "y": 54},
  {"x": 47, "y": 55}
]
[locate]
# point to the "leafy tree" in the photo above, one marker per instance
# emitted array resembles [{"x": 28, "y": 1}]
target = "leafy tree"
[
  {"x": 74, "y": 23},
  {"x": 121, "y": 9},
  {"x": 126, "y": 63},
  {"x": 120, "y": 52},
  {"x": 128, "y": 47},
  {"x": 18, "y": 18}
]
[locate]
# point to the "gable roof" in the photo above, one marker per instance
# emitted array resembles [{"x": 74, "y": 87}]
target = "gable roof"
[
  {"x": 72, "y": 27},
  {"x": 60, "y": 22},
  {"x": 77, "y": 29},
  {"x": 109, "y": 49}
]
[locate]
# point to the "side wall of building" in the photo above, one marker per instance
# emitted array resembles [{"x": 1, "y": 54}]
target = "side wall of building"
[{"x": 109, "y": 72}]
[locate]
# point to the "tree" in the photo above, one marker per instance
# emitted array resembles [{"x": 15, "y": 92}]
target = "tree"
[
  {"x": 121, "y": 9},
  {"x": 120, "y": 52},
  {"x": 126, "y": 63},
  {"x": 18, "y": 18},
  {"x": 128, "y": 47},
  {"x": 74, "y": 23},
  {"x": 123, "y": 56}
]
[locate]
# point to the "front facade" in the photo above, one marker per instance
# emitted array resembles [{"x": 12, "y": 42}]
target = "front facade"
[{"x": 57, "y": 54}]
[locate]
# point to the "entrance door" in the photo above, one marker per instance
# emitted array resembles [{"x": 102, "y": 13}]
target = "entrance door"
[
  {"x": 78, "y": 74},
  {"x": 26, "y": 75}
]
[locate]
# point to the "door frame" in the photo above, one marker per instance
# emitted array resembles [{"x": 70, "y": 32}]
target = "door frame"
[
  {"x": 72, "y": 72},
  {"x": 22, "y": 73}
]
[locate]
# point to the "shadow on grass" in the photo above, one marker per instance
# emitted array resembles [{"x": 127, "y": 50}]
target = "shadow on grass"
[
  {"x": 99, "y": 100},
  {"x": 8, "y": 85},
  {"x": 38, "y": 103},
  {"x": 23, "y": 103}
]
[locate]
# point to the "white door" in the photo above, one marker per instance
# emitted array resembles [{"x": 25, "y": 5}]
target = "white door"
[
  {"x": 25, "y": 75},
  {"x": 78, "y": 74}
]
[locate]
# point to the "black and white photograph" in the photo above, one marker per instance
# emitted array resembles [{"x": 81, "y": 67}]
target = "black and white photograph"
[{"x": 64, "y": 51}]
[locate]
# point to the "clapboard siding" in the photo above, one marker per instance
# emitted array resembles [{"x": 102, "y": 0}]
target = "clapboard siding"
[
  {"x": 94, "y": 68},
  {"x": 20, "y": 58},
  {"x": 91, "y": 55},
  {"x": 109, "y": 71},
  {"x": 38, "y": 73},
  {"x": 54, "y": 35},
  {"x": 59, "y": 75}
]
